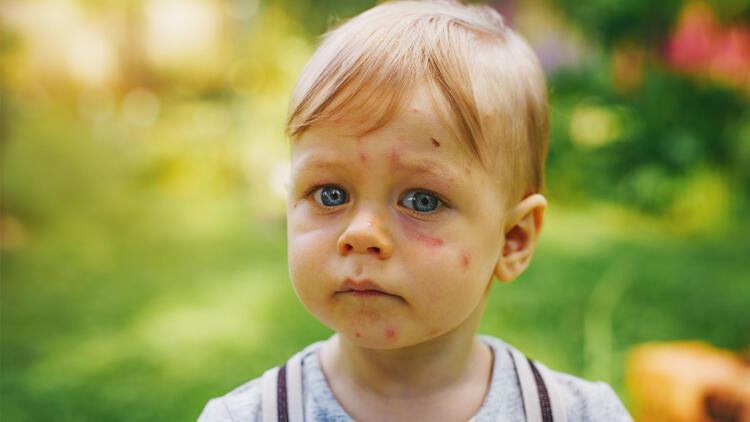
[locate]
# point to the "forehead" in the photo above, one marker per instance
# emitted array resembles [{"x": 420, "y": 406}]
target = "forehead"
[{"x": 420, "y": 123}]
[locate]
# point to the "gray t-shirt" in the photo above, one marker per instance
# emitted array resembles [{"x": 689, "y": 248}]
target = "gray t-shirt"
[{"x": 583, "y": 400}]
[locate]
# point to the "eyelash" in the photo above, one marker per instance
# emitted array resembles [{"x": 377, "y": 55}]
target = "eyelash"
[{"x": 441, "y": 202}]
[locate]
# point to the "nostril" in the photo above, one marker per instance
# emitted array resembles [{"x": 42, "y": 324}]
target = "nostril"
[
  {"x": 348, "y": 247},
  {"x": 374, "y": 249}
]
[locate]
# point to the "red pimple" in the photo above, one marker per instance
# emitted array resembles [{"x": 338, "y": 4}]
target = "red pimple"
[
  {"x": 465, "y": 260},
  {"x": 357, "y": 334},
  {"x": 390, "y": 332},
  {"x": 363, "y": 157},
  {"x": 435, "y": 142},
  {"x": 394, "y": 156}
]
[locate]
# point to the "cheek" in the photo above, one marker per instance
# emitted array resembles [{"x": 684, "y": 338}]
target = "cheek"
[
  {"x": 307, "y": 259},
  {"x": 430, "y": 243},
  {"x": 465, "y": 259}
]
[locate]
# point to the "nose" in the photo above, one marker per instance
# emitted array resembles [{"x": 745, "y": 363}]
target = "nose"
[{"x": 365, "y": 235}]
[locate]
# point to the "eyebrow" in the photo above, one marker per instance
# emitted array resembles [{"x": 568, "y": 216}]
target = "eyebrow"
[{"x": 418, "y": 165}]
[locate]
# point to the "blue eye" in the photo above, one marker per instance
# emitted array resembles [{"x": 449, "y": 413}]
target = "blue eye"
[
  {"x": 421, "y": 201},
  {"x": 331, "y": 196}
]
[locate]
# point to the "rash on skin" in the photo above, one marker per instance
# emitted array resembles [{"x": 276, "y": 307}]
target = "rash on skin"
[
  {"x": 465, "y": 260},
  {"x": 433, "y": 242},
  {"x": 411, "y": 230},
  {"x": 390, "y": 332},
  {"x": 395, "y": 157}
]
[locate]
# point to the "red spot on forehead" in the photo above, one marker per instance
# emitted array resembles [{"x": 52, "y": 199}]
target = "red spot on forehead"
[
  {"x": 435, "y": 142},
  {"x": 394, "y": 156},
  {"x": 390, "y": 332}
]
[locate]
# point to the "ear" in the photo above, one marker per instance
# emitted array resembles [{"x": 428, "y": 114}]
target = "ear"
[{"x": 521, "y": 235}]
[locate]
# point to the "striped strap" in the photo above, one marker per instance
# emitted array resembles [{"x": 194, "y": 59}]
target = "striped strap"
[
  {"x": 294, "y": 384},
  {"x": 540, "y": 399},
  {"x": 282, "y": 392},
  {"x": 558, "y": 412},
  {"x": 269, "y": 398}
]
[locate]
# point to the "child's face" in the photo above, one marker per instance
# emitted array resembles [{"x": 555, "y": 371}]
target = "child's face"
[{"x": 403, "y": 207}]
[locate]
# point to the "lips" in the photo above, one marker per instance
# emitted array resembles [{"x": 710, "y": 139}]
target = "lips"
[{"x": 361, "y": 287}]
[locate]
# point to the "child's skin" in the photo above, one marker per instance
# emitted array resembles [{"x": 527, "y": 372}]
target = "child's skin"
[{"x": 410, "y": 354}]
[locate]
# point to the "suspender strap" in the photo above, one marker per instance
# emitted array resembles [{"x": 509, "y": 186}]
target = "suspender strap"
[
  {"x": 540, "y": 398},
  {"x": 268, "y": 400},
  {"x": 282, "y": 392},
  {"x": 294, "y": 392},
  {"x": 281, "y": 404},
  {"x": 544, "y": 402},
  {"x": 531, "y": 402},
  {"x": 555, "y": 400}
]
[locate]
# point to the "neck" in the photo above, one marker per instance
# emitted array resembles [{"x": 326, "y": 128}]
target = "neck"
[{"x": 422, "y": 370}]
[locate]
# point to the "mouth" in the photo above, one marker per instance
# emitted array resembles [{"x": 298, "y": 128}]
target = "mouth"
[{"x": 362, "y": 288}]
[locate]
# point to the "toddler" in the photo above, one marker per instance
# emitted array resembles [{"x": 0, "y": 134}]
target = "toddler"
[{"x": 419, "y": 134}]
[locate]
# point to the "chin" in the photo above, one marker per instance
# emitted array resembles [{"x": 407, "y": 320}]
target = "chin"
[{"x": 379, "y": 338}]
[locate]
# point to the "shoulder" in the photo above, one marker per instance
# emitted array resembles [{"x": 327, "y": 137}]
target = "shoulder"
[
  {"x": 240, "y": 404},
  {"x": 244, "y": 402},
  {"x": 581, "y": 400},
  {"x": 588, "y": 401}
]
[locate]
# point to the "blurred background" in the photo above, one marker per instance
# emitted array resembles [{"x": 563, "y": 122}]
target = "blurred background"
[{"x": 142, "y": 231}]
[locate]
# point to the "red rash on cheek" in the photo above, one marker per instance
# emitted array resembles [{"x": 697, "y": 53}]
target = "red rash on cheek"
[
  {"x": 465, "y": 258},
  {"x": 432, "y": 242},
  {"x": 411, "y": 231}
]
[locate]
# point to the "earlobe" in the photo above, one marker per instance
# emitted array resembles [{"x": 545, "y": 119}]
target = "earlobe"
[{"x": 521, "y": 235}]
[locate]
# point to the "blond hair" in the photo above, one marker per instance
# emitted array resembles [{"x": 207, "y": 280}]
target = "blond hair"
[{"x": 490, "y": 80}]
